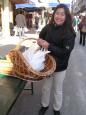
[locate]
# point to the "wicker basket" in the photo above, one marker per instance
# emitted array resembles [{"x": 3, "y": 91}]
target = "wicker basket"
[{"x": 24, "y": 71}]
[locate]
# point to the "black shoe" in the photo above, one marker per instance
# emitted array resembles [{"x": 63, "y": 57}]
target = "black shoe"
[
  {"x": 57, "y": 112},
  {"x": 42, "y": 110}
]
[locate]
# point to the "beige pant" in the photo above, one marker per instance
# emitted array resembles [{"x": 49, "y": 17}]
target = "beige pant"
[{"x": 56, "y": 79}]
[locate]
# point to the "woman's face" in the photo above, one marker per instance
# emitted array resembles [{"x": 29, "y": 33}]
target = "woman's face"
[{"x": 59, "y": 16}]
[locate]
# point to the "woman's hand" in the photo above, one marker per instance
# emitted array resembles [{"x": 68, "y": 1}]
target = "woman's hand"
[{"x": 43, "y": 43}]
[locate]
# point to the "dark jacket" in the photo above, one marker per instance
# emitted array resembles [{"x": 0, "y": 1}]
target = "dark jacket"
[
  {"x": 82, "y": 25},
  {"x": 60, "y": 45}
]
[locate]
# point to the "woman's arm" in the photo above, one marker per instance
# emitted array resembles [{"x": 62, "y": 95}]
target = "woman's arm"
[
  {"x": 68, "y": 45},
  {"x": 41, "y": 41},
  {"x": 43, "y": 32}
]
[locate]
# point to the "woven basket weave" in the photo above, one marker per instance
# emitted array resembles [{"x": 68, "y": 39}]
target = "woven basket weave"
[{"x": 24, "y": 70}]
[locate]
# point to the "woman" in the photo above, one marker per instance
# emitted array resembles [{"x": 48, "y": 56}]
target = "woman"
[
  {"x": 82, "y": 28},
  {"x": 59, "y": 38}
]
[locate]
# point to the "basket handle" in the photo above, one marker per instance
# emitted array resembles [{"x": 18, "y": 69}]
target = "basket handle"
[{"x": 20, "y": 42}]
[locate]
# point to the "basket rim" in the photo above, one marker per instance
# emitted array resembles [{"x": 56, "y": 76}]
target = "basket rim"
[{"x": 18, "y": 46}]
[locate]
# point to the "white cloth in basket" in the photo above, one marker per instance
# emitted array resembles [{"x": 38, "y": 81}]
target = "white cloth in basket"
[{"x": 35, "y": 58}]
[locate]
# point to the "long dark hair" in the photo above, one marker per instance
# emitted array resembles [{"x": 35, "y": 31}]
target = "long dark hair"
[{"x": 68, "y": 21}]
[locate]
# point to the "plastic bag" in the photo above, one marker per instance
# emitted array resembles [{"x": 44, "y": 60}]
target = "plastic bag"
[{"x": 35, "y": 58}]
